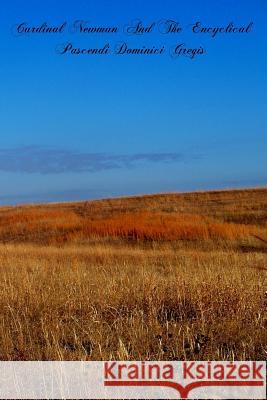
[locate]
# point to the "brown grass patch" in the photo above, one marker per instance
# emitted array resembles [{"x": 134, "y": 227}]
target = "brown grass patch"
[{"x": 156, "y": 277}]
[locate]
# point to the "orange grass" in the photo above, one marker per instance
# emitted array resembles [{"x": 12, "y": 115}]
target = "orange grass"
[{"x": 78, "y": 222}]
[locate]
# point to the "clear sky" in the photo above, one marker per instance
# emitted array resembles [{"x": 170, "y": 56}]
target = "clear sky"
[{"x": 86, "y": 126}]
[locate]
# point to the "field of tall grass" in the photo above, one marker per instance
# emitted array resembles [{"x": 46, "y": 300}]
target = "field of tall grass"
[{"x": 163, "y": 277}]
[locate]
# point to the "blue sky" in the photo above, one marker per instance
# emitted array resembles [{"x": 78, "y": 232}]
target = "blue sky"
[{"x": 79, "y": 127}]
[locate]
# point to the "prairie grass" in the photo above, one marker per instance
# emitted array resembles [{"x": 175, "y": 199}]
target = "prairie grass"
[{"x": 190, "y": 284}]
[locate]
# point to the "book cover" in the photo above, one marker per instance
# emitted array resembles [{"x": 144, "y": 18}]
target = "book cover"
[{"x": 133, "y": 195}]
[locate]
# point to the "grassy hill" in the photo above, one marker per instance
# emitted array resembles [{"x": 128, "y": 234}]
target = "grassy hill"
[
  {"x": 228, "y": 215},
  {"x": 168, "y": 276}
]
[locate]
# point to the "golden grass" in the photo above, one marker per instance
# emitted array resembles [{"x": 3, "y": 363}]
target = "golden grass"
[{"x": 190, "y": 285}]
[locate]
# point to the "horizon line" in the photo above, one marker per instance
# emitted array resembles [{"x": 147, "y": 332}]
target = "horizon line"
[{"x": 132, "y": 196}]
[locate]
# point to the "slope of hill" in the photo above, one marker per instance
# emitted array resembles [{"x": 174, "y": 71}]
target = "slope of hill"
[{"x": 229, "y": 215}]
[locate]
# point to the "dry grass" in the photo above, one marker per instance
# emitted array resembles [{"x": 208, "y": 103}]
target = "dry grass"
[{"x": 156, "y": 277}]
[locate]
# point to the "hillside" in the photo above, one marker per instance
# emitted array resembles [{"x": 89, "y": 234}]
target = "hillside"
[{"x": 239, "y": 215}]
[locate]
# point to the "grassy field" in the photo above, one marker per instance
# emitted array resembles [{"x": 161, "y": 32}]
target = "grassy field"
[{"x": 162, "y": 277}]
